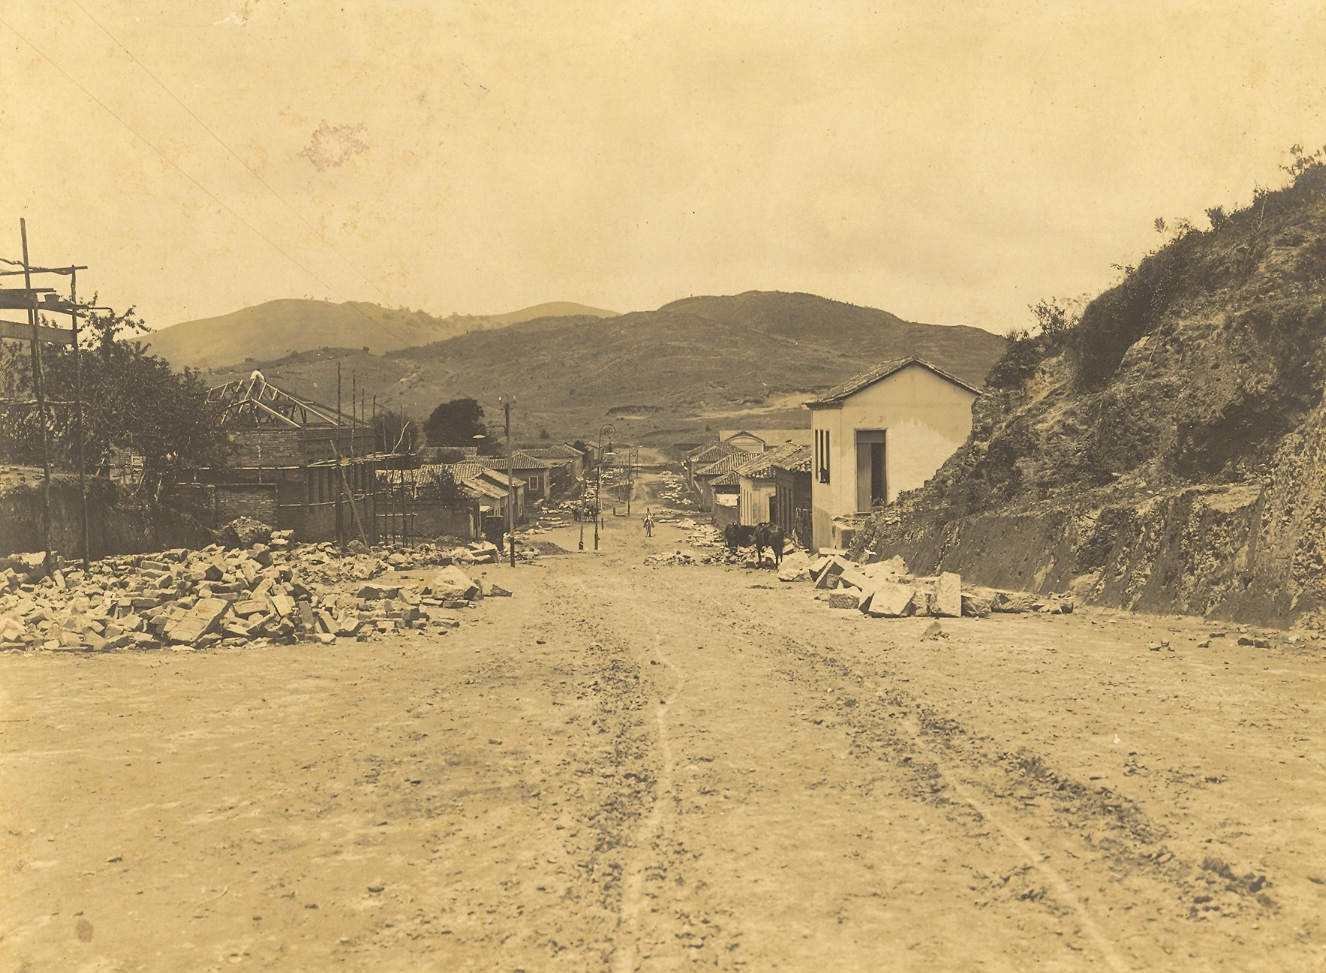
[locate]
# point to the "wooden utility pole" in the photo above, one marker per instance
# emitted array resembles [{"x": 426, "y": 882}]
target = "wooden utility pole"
[
  {"x": 354, "y": 394},
  {"x": 40, "y": 390},
  {"x": 78, "y": 418},
  {"x": 354, "y": 510},
  {"x": 340, "y": 481},
  {"x": 510, "y": 486}
]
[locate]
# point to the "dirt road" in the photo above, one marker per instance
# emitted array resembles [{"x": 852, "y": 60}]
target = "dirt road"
[{"x": 655, "y": 768}]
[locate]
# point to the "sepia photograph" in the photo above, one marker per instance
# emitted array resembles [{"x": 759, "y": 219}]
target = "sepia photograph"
[{"x": 799, "y": 485}]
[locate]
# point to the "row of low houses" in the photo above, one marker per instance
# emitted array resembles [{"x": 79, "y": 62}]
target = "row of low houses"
[
  {"x": 877, "y": 435},
  {"x": 302, "y": 466}
]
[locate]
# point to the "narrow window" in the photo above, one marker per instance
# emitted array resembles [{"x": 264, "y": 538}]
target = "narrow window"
[{"x": 822, "y": 455}]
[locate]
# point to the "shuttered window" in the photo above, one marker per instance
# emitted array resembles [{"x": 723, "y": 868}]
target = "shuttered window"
[{"x": 822, "y": 455}]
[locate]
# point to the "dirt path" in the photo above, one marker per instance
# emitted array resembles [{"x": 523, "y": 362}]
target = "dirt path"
[{"x": 657, "y": 768}]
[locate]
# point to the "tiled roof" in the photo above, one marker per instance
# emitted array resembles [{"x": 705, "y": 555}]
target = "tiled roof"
[
  {"x": 559, "y": 451},
  {"x": 520, "y": 460},
  {"x": 761, "y": 465},
  {"x": 727, "y": 479},
  {"x": 482, "y": 487},
  {"x": 797, "y": 461},
  {"x": 458, "y": 471},
  {"x": 726, "y": 464},
  {"x": 878, "y": 373},
  {"x": 710, "y": 452}
]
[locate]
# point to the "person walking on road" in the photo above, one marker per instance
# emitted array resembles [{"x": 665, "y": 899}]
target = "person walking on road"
[{"x": 649, "y": 523}]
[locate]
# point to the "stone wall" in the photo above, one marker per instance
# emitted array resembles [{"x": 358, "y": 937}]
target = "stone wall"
[{"x": 116, "y": 524}]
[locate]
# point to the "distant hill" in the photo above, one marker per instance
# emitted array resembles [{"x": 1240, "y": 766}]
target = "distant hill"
[
  {"x": 749, "y": 359},
  {"x": 278, "y": 328}
]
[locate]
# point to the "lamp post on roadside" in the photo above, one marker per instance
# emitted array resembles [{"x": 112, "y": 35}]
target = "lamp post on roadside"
[
  {"x": 584, "y": 489},
  {"x": 510, "y": 482},
  {"x": 607, "y": 428}
]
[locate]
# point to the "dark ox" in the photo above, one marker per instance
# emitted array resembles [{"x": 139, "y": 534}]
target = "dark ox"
[
  {"x": 738, "y": 535},
  {"x": 765, "y": 535},
  {"x": 770, "y": 536}
]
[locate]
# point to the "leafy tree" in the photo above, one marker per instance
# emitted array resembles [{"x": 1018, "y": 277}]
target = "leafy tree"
[
  {"x": 132, "y": 401},
  {"x": 459, "y": 423},
  {"x": 441, "y": 487},
  {"x": 1052, "y": 316},
  {"x": 1022, "y": 356}
]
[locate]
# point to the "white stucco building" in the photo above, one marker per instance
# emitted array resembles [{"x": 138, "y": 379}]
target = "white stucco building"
[{"x": 877, "y": 435}]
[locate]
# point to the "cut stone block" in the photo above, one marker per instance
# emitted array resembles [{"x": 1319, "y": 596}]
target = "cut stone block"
[
  {"x": 451, "y": 583},
  {"x": 948, "y": 595},
  {"x": 978, "y": 602},
  {"x": 890, "y": 600},
  {"x": 1015, "y": 602},
  {"x": 202, "y": 618},
  {"x": 854, "y": 578},
  {"x": 844, "y": 599}
]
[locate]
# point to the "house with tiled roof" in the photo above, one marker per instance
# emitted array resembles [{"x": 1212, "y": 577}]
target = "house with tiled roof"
[
  {"x": 704, "y": 476},
  {"x": 757, "y": 503},
  {"x": 792, "y": 494},
  {"x": 530, "y": 470},
  {"x": 701, "y": 457},
  {"x": 877, "y": 435},
  {"x": 565, "y": 463},
  {"x": 485, "y": 491}
]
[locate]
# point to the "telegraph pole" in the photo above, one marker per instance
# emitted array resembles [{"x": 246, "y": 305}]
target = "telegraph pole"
[
  {"x": 510, "y": 485},
  {"x": 40, "y": 390},
  {"x": 630, "y": 479},
  {"x": 78, "y": 417}
]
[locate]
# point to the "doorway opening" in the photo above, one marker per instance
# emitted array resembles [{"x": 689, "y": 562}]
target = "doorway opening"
[{"x": 872, "y": 486}]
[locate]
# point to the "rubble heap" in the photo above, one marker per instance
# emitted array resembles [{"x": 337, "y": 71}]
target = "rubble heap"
[
  {"x": 886, "y": 590},
  {"x": 271, "y": 590}
]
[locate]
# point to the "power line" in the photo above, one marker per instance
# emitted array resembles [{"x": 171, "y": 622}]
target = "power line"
[
  {"x": 176, "y": 166},
  {"x": 253, "y": 172}
]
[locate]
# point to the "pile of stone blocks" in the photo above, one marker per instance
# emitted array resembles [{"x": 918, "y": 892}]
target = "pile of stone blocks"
[
  {"x": 886, "y": 590},
  {"x": 680, "y": 556},
  {"x": 273, "y": 591}
]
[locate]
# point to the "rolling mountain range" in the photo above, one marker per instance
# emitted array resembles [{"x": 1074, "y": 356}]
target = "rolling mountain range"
[
  {"x": 279, "y": 328},
  {"x": 751, "y": 359}
]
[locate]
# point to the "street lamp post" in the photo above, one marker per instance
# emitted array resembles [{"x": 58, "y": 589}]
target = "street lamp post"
[
  {"x": 607, "y": 429},
  {"x": 510, "y": 485}
]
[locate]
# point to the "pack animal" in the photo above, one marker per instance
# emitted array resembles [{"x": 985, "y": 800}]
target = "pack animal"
[
  {"x": 738, "y": 535},
  {"x": 770, "y": 536}
]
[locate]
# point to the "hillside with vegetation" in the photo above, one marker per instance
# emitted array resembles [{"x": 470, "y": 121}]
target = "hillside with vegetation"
[
  {"x": 749, "y": 359},
  {"x": 1165, "y": 450},
  {"x": 277, "y": 328}
]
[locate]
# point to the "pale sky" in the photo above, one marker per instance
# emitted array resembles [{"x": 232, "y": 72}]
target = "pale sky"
[{"x": 947, "y": 162}]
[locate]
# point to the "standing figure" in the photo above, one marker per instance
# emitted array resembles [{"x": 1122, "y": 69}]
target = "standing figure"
[
  {"x": 494, "y": 531},
  {"x": 649, "y": 523}
]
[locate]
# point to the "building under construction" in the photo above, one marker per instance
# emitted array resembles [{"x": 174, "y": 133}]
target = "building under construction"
[{"x": 295, "y": 465}]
